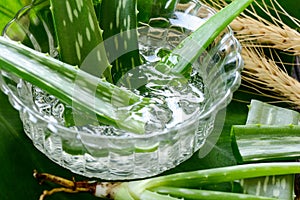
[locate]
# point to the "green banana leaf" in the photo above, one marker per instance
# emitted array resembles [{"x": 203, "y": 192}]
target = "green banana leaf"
[{"x": 18, "y": 156}]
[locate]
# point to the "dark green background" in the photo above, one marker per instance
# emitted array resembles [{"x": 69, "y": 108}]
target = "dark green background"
[{"x": 18, "y": 157}]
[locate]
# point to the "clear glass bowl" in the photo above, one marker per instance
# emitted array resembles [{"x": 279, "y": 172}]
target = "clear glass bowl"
[{"x": 111, "y": 157}]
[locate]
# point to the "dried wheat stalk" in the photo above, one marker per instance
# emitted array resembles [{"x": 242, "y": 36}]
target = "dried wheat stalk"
[
  {"x": 258, "y": 32},
  {"x": 266, "y": 35},
  {"x": 260, "y": 72},
  {"x": 263, "y": 74}
]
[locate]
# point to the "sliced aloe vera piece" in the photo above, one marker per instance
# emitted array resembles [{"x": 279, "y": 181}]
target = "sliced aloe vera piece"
[
  {"x": 266, "y": 142},
  {"x": 280, "y": 187},
  {"x": 263, "y": 113},
  {"x": 269, "y": 134}
]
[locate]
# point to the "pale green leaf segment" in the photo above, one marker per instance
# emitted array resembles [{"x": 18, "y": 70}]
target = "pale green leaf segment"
[
  {"x": 97, "y": 97},
  {"x": 206, "y": 194},
  {"x": 257, "y": 142},
  {"x": 185, "y": 185},
  {"x": 153, "y": 8},
  {"x": 78, "y": 34},
  {"x": 183, "y": 56},
  {"x": 270, "y": 133},
  {"x": 276, "y": 186},
  {"x": 118, "y": 19},
  {"x": 267, "y": 114}
]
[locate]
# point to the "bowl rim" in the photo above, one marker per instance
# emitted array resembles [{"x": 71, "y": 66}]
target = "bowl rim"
[{"x": 211, "y": 112}]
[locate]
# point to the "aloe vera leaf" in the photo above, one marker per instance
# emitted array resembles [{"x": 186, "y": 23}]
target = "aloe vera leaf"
[
  {"x": 149, "y": 195},
  {"x": 196, "y": 194},
  {"x": 83, "y": 91},
  {"x": 118, "y": 19},
  {"x": 155, "y": 8},
  {"x": 183, "y": 56},
  {"x": 279, "y": 187},
  {"x": 266, "y": 142},
  {"x": 196, "y": 179},
  {"x": 263, "y": 113},
  {"x": 269, "y": 123},
  {"x": 78, "y": 34},
  {"x": 79, "y": 37}
]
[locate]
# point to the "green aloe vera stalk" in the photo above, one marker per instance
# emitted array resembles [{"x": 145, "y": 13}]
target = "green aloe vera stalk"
[
  {"x": 270, "y": 133},
  {"x": 118, "y": 19},
  {"x": 155, "y": 8},
  {"x": 87, "y": 93},
  {"x": 79, "y": 37},
  {"x": 195, "y": 194},
  {"x": 266, "y": 142},
  {"x": 184, "y": 185},
  {"x": 78, "y": 34},
  {"x": 183, "y": 56},
  {"x": 195, "y": 179},
  {"x": 268, "y": 115},
  {"x": 276, "y": 186},
  {"x": 224, "y": 174}
]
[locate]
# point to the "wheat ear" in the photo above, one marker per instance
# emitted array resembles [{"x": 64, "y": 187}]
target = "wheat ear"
[
  {"x": 266, "y": 35},
  {"x": 258, "y": 32},
  {"x": 263, "y": 74}
]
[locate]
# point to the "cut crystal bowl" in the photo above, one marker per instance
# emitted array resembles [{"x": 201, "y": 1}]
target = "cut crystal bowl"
[{"x": 96, "y": 151}]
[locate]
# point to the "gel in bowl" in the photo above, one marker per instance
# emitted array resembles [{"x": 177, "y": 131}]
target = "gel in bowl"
[{"x": 101, "y": 151}]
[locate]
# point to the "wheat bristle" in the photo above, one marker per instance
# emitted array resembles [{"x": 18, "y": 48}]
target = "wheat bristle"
[
  {"x": 264, "y": 74},
  {"x": 268, "y": 35},
  {"x": 258, "y": 32}
]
